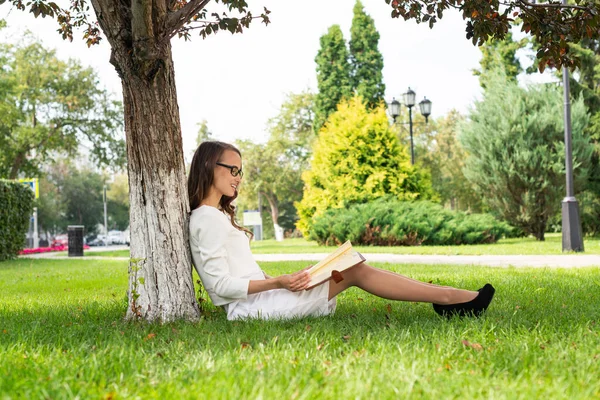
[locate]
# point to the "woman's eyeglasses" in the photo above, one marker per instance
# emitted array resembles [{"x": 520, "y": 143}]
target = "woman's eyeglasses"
[{"x": 235, "y": 171}]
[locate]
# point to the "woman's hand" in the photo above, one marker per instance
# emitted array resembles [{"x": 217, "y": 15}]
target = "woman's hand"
[{"x": 295, "y": 282}]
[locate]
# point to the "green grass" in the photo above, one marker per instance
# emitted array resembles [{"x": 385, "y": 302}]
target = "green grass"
[
  {"x": 526, "y": 246},
  {"x": 115, "y": 253},
  {"x": 62, "y": 336}
]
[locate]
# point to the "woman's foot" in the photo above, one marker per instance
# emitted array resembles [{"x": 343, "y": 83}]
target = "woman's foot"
[{"x": 475, "y": 307}]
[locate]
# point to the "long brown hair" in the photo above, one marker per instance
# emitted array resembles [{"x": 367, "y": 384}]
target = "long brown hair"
[{"x": 202, "y": 176}]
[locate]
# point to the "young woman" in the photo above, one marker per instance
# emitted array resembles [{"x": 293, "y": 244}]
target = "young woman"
[{"x": 221, "y": 253}]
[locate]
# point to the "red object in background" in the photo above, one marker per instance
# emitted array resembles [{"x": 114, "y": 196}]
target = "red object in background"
[
  {"x": 60, "y": 240},
  {"x": 47, "y": 249}
]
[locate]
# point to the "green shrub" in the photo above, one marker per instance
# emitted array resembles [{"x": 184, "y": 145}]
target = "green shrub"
[
  {"x": 390, "y": 222},
  {"x": 357, "y": 158},
  {"x": 17, "y": 205}
]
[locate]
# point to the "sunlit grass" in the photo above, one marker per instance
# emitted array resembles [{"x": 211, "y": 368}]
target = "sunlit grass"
[
  {"x": 62, "y": 335},
  {"x": 515, "y": 246}
]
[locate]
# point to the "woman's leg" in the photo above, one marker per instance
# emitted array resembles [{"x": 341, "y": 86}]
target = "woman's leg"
[{"x": 393, "y": 286}]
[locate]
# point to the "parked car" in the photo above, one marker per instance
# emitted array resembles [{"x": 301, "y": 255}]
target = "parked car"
[
  {"x": 116, "y": 237},
  {"x": 100, "y": 240},
  {"x": 60, "y": 240}
]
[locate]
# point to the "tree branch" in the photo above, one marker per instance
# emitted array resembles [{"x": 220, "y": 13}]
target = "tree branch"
[
  {"x": 551, "y": 5},
  {"x": 177, "y": 19}
]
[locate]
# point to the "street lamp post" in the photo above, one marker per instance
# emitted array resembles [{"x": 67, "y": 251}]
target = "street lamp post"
[
  {"x": 105, "y": 216},
  {"x": 409, "y": 101},
  {"x": 571, "y": 225}
]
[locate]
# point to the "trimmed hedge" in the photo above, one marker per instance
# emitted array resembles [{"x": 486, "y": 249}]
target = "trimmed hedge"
[
  {"x": 17, "y": 205},
  {"x": 390, "y": 222}
]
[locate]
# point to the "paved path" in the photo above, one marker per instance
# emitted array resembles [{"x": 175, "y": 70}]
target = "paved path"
[
  {"x": 566, "y": 261},
  {"x": 583, "y": 260}
]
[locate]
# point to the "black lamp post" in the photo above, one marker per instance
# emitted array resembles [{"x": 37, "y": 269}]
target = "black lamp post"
[
  {"x": 409, "y": 101},
  {"x": 572, "y": 238},
  {"x": 425, "y": 106}
]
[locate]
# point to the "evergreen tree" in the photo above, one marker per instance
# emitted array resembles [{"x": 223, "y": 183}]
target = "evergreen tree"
[
  {"x": 586, "y": 83},
  {"x": 365, "y": 59},
  {"x": 333, "y": 75},
  {"x": 500, "y": 54},
  {"x": 441, "y": 153},
  {"x": 517, "y": 154},
  {"x": 357, "y": 158}
]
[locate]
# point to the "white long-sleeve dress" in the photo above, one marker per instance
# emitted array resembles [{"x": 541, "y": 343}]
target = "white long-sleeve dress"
[{"x": 224, "y": 262}]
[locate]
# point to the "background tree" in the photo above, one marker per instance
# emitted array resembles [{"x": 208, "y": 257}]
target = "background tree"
[
  {"x": 333, "y": 75},
  {"x": 82, "y": 189},
  {"x": 365, "y": 59},
  {"x": 441, "y": 153},
  {"x": 500, "y": 54},
  {"x": 553, "y": 24},
  {"x": 203, "y": 133},
  {"x": 585, "y": 83},
  {"x": 70, "y": 196},
  {"x": 357, "y": 158},
  {"x": 516, "y": 151},
  {"x": 118, "y": 203},
  {"x": 274, "y": 169},
  {"x": 49, "y": 107},
  {"x": 51, "y": 207}
]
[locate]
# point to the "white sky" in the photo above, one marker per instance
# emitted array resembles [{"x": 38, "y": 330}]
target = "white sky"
[{"x": 237, "y": 82}]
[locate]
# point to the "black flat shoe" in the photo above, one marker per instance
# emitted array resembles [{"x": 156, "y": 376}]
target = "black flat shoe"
[{"x": 475, "y": 307}]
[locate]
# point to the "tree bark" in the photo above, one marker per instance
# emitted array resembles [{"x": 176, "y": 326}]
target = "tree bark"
[
  {"x": 160, "y": 273},
  {"x": 158, "y": 199},
  {"x": 274, "y": 207},
  {"x": 14, "y": 171}
]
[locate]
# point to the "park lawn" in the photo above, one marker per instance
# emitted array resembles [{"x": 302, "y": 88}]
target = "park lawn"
[
  {"x": 62, "y": 335},
  {"x": 514, "y": 246}
]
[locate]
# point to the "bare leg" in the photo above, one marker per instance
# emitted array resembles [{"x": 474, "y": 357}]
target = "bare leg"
[{"x": 393, "y": 286}]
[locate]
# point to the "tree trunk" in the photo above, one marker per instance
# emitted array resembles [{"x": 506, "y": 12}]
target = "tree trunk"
[
  {"x": 160, "y": 272},
  {"x": 17, "y": 163},
  {"x": 158, "y": 199},
  {"x": 274, "y": 207}
]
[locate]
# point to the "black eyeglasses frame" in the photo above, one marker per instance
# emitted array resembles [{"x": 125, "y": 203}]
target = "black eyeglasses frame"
[{"x": 235, "y": 171}]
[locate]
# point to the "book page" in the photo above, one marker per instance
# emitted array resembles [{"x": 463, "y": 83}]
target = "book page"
[{"x": 341, "y": 259}]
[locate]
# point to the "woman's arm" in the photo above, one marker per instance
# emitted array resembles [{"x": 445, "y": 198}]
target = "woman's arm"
[
  {"x": 294, "y": 283},
  {"x": 266, "y": 275}
]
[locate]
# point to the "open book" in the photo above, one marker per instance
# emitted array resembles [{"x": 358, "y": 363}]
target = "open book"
[{"x": 343, "y": 258}]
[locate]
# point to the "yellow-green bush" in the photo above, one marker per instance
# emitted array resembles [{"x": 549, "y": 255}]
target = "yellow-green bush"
[{"x": 358, "y": 158}]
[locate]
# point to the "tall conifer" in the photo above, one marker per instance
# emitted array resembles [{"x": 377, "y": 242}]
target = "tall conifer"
[
  {"x": 365, "y": 59},
  {"x": 333, "y": 75}
]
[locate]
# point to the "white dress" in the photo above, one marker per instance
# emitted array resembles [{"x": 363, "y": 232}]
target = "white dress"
[{"x": 225, "y": 264}]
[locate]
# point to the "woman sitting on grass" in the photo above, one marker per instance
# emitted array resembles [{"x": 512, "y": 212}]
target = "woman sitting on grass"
[{"x": 222, "y": 257}]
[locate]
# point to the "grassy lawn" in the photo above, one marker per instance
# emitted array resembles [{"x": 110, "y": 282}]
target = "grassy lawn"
[
  {"x": 552, "y": 245},
  {"x": 62, "y": 336}
]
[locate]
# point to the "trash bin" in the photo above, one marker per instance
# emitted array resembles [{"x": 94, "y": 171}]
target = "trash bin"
[{"x": 75, "y": 240}]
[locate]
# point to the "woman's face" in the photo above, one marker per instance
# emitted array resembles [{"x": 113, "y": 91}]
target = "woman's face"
[{"x": 225, "y": 183}]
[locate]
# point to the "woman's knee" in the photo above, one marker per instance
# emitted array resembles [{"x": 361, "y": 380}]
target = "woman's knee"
[{"x": 358, "y": 273}]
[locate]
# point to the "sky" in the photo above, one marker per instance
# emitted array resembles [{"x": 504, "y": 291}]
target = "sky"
[{"x": 237, "y": 82}]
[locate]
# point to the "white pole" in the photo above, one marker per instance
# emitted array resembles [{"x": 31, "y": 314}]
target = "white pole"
[
  {"x": 36, "y": 237},
  {"x": 259, "y": 228},
  {"x": 105, "y": 218}
]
